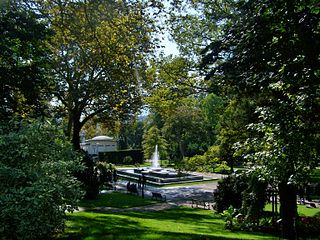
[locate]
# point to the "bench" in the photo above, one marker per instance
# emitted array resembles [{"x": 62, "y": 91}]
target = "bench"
[
  {"x": 158, "y": 196},
  {"x": 200, "y": 203},
  {"x": 132, "y": 188}
]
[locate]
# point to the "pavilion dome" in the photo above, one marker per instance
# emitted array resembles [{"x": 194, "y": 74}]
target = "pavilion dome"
[{"x": 102, "y": 138}]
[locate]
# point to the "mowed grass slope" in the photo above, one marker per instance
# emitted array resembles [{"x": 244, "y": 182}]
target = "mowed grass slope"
[{"x": 176, "y": 223}]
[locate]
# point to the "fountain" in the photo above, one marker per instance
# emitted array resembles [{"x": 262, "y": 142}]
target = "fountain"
[
  {"x": 157, "y": 175},
  {"x": 155, "y": 158}
]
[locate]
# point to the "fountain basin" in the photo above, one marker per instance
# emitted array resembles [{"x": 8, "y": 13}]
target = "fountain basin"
[{"x": 158, "y": 176}]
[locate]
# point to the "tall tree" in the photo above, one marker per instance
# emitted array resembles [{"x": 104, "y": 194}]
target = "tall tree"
[
  {"x": 194, "y": 24},
  {"x": 131, "y": 134},
  {"x": 187, "y": 132},
  {"x": 24, "y": 60},
  {"x": 99, "y": 49},
  {"x": 152, "y": 138},
  {"x": 271, "y": 54},
  {"x": 232, "y": 129},
  {"x": 171, "y": 84}
]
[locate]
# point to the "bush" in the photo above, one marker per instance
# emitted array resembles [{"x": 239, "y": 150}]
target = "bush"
[
  {"x": 37, "y": 185},
  {"x": 229, "y": 192},
  {"x": 254, "y": 199},
  {"x": 127, "y": 160},
  {"x": 208, "y": 162},
  {"x": 309, "y": 227},
  {"x": 106, "y": 173}
]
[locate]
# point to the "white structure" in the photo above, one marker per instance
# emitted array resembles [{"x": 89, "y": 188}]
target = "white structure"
[{"x": 99, "y": 144}]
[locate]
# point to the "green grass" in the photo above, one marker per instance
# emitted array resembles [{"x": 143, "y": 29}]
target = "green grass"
[
  {"x": 145, "y": 164},
  {"x": 190, "y": 183},
  {"x": 163, "y": 163},
  {"x": 302, "y": 210},
  {"x": 116, "y": 200},
  {"x": 177, "y": 223}
]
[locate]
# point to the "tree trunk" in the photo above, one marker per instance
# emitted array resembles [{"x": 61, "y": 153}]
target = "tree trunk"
[
  {"x": 288, "y": 210},
  {"x": 68, "y": 131},
  {"x": 181, "y": 148},
  {"x": 76, "y": 132}
]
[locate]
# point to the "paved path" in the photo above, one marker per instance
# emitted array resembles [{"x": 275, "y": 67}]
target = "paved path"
[{"x": 176, "y": 196}]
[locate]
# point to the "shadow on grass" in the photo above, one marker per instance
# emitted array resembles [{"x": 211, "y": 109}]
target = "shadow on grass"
[
  {"x": 116, "y": 200},
  {"x": 178, "y": 223}
]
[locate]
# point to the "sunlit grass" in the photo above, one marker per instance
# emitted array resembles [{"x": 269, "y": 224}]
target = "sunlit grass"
[
  {"x": 177, "y": 223},
  {"x": 302, "y": 210},
  {"x": 190, "y": 183}
]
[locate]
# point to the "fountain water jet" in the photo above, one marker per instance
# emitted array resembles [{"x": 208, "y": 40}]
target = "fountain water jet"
[{"x": 155, "y": 158}]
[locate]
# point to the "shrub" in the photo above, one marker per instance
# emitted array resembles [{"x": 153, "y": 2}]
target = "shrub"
[
  {"x": 254, "y": 199},
  {"x": 309, "y": 227},
  {"x": 106, "y": 173},
  {"x": 208, "y": 162},
  {"x": 89, "y": 177},
  {"x": 229, "y": 192},
  {"x": 127, "y": 160},
  {"x": 37, "y": 185}
]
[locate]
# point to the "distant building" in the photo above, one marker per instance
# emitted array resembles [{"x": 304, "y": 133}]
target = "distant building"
[{"x": 99, "y": 144}]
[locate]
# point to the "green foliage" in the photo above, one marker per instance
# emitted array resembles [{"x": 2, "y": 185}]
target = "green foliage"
[
  {"x": 253, "y": 201},
  {"x": 232, "y": 129},
  {"x": 308, "y": 227},
  {"x": 24, "y": 62},
  {"x": 229, "y": 192},
  {"x": 282, "y": 81},
  {"x": 208, "y": 162},
  {"x": 187, "y": 132},
  {"x": 169, "y": 85},
  {"x": 151, "y": 138},
  {"x": 89, "y": 176},
  {"x": 106, "y": 174},
  {"x": 213, "y": 107},
  {"x": 194, "y": 24},
  {"x": 95, "y": 176},
  {"x": 37, "y": 185},
  {"x": 132, "y": 156},
  {"x": 130, "y": 134},
  {"x": 247, "y": 194},
  {"x": 99, "y": 57},
  {"x": 229, "y": 218}
]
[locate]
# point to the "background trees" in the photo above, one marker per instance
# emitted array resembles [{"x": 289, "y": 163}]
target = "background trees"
[{"x": 151, "y": 138}]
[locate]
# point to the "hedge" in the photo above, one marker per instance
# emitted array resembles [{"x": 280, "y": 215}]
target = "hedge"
[{"x": 134, "y": 156}]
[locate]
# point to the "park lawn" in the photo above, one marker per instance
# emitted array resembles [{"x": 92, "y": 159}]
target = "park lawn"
[
  {"x": 116, "y": 200},
  {"x": 190, "y": 183},
  {"x": 176, "y": 223},
  {"x": 302, "y": 210}
]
